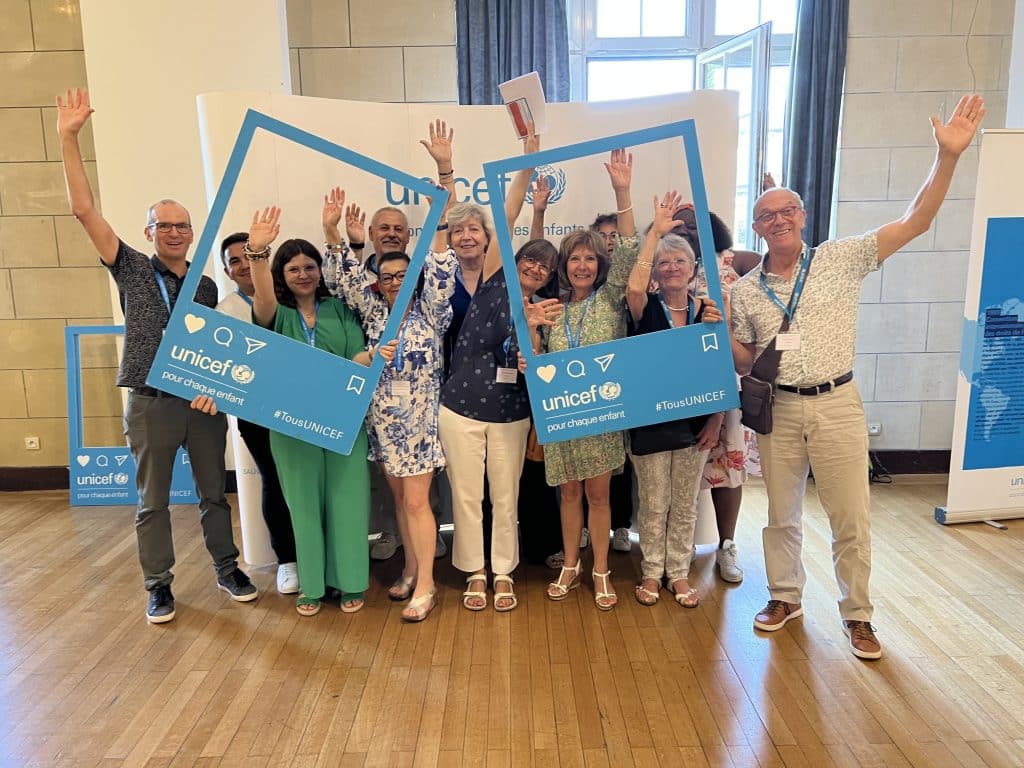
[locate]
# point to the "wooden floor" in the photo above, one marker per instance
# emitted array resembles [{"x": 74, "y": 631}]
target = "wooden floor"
[{"x": 85, "y": 681}]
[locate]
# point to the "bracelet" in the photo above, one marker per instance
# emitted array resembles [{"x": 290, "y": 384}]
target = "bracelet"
[
  {"x": 356, "y": 246},
  {"x": 645, "y": 263},
  {"x": 252, "y": 255},
  {"x": 336, "y": 247},
  {"x": 625, "y": 210},
  {"x": 442, "y": 174},
  {"x": 442, "y": 227}
]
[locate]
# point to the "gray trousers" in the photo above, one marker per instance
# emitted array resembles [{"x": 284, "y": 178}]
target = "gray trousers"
[{"x": 155, "y": 428}]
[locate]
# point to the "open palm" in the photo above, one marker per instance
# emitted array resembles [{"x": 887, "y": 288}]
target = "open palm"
[{"x": 958, "y": 132}]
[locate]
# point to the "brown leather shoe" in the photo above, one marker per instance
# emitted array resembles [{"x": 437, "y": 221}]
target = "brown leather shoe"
[
  {"x": 775, "y": 615},
  {"x": 862, "y": 639}
]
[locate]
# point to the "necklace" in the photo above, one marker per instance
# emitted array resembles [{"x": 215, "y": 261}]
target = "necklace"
[{"x": 678, "y": 309}]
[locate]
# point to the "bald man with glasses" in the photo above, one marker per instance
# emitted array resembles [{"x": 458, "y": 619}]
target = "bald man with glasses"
[
  {"x": 156, "y": 423},
  {"x": 817, "y": 413}
]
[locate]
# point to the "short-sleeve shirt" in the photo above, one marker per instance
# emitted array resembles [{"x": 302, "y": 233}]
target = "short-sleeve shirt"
[
  {"x": 236, "y": 306},
  {"x": 145, "y": 312},
  {"x": 471, "y": 389},
  {"x": 826, "y": 316}
]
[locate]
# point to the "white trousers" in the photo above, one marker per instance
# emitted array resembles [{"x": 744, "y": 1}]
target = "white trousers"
[{"x": 470, "y": 448}]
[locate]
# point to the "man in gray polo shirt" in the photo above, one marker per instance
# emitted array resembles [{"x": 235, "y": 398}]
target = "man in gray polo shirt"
[
  {"x": 818, "y": 415},
  {"x": 157, "y": 424}
]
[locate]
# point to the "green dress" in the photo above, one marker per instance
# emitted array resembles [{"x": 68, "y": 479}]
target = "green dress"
[
  {"x": 587, "y": 457},
  {"x": 328, "y": 493}
]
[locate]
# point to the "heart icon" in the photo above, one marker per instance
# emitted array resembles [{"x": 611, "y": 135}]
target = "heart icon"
[
  {"x": 194, "y": 323},
  {"x": 82, "y": 460},
  {"x": 546, "y": 373}
]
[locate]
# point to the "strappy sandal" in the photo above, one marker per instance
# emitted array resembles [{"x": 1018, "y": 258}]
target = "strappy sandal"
[
  {"x": 603, "y": 599},
  {"x": 646, "y": 596},
  {"x": 307, "y": 606},
  {"x": 557, "y": 589},
  {"x": 402, "y": 588},
  {"x": 419, "y": 607},
  {"x": 352, "y": 602},
  {"x": 508, "y": 596},
  {"x": 688, "y": 599},
  {"x": 472, "y": 595}
]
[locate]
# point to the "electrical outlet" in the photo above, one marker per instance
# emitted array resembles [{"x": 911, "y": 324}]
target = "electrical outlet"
[
  {"x": 31, "y": 443},
  {"x": 874, "y": 429}
]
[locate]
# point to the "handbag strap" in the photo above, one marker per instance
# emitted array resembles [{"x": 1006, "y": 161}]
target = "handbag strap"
[{"x": 766, "y": 367}]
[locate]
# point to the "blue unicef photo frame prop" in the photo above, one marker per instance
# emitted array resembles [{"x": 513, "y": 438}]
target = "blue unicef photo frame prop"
[
  {"x": 105, "y": 475},
  {"x": 262, "y": 376},
  {"x": 646, "y": 379}
]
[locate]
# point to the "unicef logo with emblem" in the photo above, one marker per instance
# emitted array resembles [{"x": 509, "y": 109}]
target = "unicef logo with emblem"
[
  {"x": 243, "y": 374},
  {"x": 610, "y": 390},
  {"x": 556, "y": 181},
  {"x": 121, "y": 478}
]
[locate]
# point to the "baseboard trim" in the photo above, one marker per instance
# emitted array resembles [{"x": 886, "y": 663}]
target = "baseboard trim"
[{"x": 58, "y": 479}]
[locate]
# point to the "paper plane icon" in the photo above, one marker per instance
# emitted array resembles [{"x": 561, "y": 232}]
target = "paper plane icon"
[
  {"x": 253, "y": 345},
  {"x": 604, "y": 361}
]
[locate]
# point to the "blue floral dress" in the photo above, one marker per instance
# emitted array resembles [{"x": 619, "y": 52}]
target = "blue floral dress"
[{"x": 402, "y": 420}]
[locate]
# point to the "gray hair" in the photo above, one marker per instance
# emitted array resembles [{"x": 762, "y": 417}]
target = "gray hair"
[
  {"x": 761, "y": 197},
  {"x": 151, "y": 214},
  {"x": 388, "y": 209},
  {"x": 673, "y": 243},
  {"x": 460, "y": 213}
]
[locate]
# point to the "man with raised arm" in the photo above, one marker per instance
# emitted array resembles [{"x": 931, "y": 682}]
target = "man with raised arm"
[
  {"x": 156, "y": 423},
  {"x": 818, "y": 415}
]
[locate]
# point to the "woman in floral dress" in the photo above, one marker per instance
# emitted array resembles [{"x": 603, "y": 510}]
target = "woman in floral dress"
[{"x": 402, "y": 419}]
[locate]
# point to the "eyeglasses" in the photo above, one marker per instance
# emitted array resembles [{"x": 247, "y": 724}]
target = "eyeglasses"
[
  {"x": 677, "y": 263},
  {"x": 529, "y": 262},
  {"x": 391, "y": 279},
  {"x": 183, "y": 227},
  {"x": 611, "y": 236},
  {"x": 769, "y": 216}
]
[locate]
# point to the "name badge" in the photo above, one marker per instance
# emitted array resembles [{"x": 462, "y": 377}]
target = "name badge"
[
  {"x": 787, "y": 341},
  {"x": 506, "y": 375},
  {"x": 401, "y": 389}
]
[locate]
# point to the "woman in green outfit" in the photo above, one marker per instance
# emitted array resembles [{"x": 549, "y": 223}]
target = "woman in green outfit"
[
  {"x": 328, "y": 493},
  {"x": 594, "y": 313}
]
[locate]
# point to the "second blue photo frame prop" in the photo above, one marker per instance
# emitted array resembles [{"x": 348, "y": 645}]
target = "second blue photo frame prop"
[
  {"x": 262, "y": 376},
  {"x": 646, "y": 379},
  {"x": 105, "y": 475}
]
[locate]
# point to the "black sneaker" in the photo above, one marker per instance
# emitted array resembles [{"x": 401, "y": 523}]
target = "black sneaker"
[
  {"x": 161, "y": 605},
  {"x": 237, "y": 585}
]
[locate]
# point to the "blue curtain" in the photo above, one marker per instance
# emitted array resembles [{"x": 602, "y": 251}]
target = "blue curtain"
[
  {"x": 815, "y": 99},
  {"x": 497, "y": 40}
]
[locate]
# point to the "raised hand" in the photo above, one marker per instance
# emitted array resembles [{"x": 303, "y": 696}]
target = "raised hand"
[
  {"x": 440, "y": 145},
  {"x": 355, "y": 224},
  {"x": 72, "y": 112},
  {"x": 546, "y": 312},
  {"x": 768, "y": 181},
  {"x": 334, "y": 205},
  {"x": 264, "y": 228},
  {"x": 663, "y": 222},
  {"x": 958, "y": 132},
  {"x": 620, "y": 169},
  {"x": 541, "y": 193},
  {"x": 531, "y": 143}
]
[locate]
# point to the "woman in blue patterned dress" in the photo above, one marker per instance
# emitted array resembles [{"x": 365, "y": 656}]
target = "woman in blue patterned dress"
[{"x": 402, "y": 419}]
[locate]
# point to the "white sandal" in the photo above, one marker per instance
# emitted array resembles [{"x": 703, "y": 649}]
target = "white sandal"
[
  {"x": 510, "y": 595},
  {"x": 610, "y": 597},
  {"x": 470, "y": 594},
  {"x": 559, "y": 591}
]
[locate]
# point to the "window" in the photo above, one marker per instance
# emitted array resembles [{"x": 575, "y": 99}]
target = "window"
[{"x": 623, "y": 49}]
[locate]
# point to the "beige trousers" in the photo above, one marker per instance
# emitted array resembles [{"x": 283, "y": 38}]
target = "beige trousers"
[
  {"x": 828, "y": 434},
  {"x": 470, "y": 446}
]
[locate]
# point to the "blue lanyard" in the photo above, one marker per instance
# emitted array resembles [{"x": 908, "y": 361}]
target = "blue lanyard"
[
  {"x": 163, "y": 289},
  {"x": 399, "y": 361},
  {"x": 246, "y": 299},
  {"x": 574, "y": 341},
  {"x": 798, "y": 288},
  {"x": 506, "y": 345},
  {"x": 310, "y": 332},
  {"x": 668, "y": 313}
]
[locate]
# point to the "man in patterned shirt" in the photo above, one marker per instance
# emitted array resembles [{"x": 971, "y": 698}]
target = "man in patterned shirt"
[
  {"x": 156, "y": 423},
  {"x": 818, "y": 415}
]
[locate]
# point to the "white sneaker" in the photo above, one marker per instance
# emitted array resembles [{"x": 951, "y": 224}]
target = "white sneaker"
[
  {"x": 620, "y": 540},
  {"x": 725, "y": 559},
  {"x": 556, "y": 560},
  {"x": 584, "y": 538},
  {"x": 287, "y": 578},
  {"x": 385, "y": 546},
  {"x": 440, "y": 549}
]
